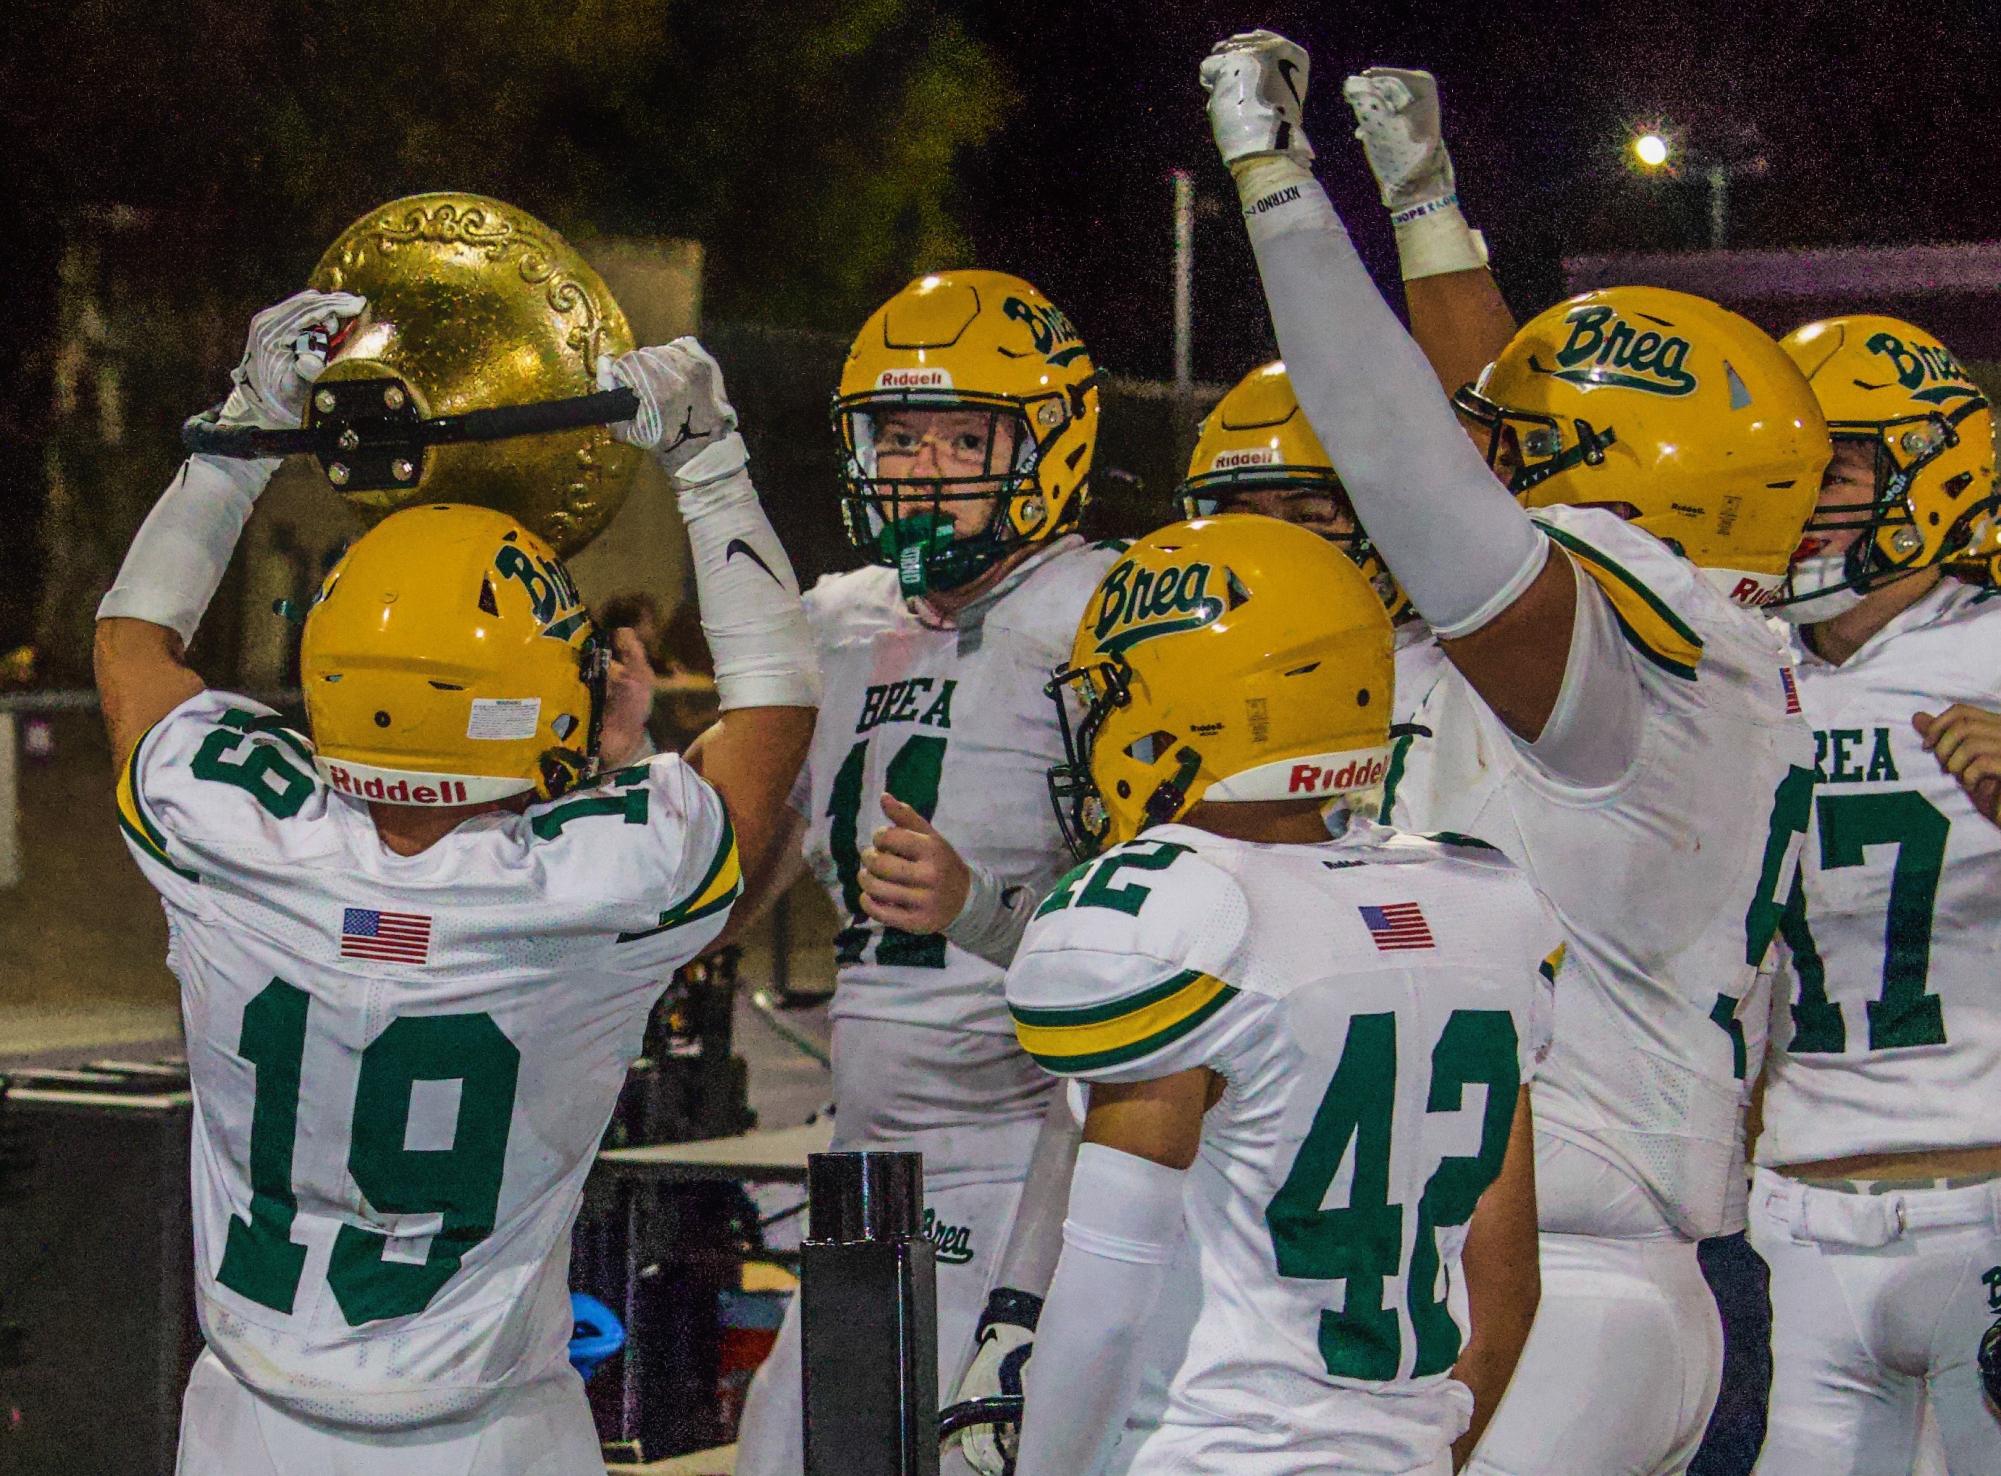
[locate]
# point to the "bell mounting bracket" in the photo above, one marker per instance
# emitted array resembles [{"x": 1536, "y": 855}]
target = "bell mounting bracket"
[{"x": 368, "y": 435}]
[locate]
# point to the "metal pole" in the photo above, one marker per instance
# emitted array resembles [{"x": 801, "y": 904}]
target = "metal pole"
[
  {"x": 868, "y": 1318},
  {"x": 1184, "y": 285},
  {"x": 10, "y": 801},
  {"x": 1719, "y": 206}
]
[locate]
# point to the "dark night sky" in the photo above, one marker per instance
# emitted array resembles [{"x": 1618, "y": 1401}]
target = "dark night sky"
[{"x": 1877, "y": 124}]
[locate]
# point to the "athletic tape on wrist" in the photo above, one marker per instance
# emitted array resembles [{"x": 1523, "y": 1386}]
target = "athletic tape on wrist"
[{"x": 1437, "y": 241}]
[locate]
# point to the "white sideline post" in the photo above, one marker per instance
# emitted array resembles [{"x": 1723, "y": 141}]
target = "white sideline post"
[{"x": 10, "y": 800}]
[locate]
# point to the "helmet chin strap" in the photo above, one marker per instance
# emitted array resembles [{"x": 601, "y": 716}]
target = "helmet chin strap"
[{"x": 1170, "y": 798}]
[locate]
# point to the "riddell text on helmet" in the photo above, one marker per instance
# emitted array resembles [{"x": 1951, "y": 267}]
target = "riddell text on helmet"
[
  {"x": 1355, "y": 774},
  {"x": 402, "y": 792}
]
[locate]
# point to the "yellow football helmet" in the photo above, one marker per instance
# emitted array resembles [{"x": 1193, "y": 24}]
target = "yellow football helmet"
[
  {"x": 967, "y": 340},
  {"x": 449, "y": 660},
  {"x": 1678, "y": 412},
  {"x": 1893, "y": 387},
  {"x": 1257, "y": 439},
  {"x": 1228, "y": 658}
]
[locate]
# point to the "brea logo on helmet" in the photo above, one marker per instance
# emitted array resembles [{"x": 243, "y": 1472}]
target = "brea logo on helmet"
[
  {"x": 1141, "y": 604},
  {"x": 914, "y": 379},
  {"x": 1360, "y": 773},
  {"x": 1047, "y": 327},
  {"x": 1604, "y": 349},
  {"x": 1253, "y": 456},
  {"x": 402, "y": 792},
  {"x": 1916, "y": 363},
  {"x": 550, "y": 590}
]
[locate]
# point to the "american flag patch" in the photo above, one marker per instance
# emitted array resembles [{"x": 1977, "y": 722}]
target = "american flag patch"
[
  {"x": 393, "y": 937},
  {"x": 1398, "y": 925},
  {"x": 1792, "y": 691}
]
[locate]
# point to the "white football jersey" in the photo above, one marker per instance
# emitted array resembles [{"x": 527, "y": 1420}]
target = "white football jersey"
[
  {"x": 1373, "y": 1005},
  {"x": 1886, "y": 1032},
  {"x": 403, "y": 1064},
  {"x": 953, "y": 720},
  {"x": 1669, "y": 881}
]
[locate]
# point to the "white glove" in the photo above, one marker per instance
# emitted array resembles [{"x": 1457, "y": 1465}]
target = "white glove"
[
  {"x": 1396, "y": 118},
  {"x": 287, "y": 351},
  {"x": 1256, "y": 83},
  {"x": 1005, "y": 1339},
  {"x": 684, "y": 416}
]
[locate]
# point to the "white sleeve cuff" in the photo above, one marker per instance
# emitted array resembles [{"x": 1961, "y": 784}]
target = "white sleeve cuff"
[
  {"x": 178, "y": 556},
  {"x": 1435, "y": 240},
  {"x": 1516, "y": 586},
  {"x": 993, "y": 918}
]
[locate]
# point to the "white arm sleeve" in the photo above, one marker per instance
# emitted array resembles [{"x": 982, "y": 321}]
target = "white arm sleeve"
[
  {"x": 178, "y": 557},
  {"x": 1035, "y": 1242},
  {"x": 749, "y": 597},
  {"x": 1124, "y": 1225},
  {"x": 1457, "y": 541}
]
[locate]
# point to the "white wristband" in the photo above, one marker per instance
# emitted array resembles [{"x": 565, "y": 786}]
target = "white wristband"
[
  {"x": 1433, "y": 239},
  {"x": 749, "y": 597},
  {"x": 993, "y": 917},
  {"x": 1280, "y": 194},
  {"x": 178, "y": 557}
]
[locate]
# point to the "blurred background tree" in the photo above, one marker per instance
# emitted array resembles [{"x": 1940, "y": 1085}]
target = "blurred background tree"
[{"x": 175, "y": 164}]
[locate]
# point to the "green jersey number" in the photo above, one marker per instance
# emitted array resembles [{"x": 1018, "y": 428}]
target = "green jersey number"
[
  {"x": 461, "y": 1183},
  {"x": 265, "y": 773},
  {"x": 1362, "y": 1243},
  {"x": 1095, "y": 883},
  {"x": 1905, "y": 1014},
  {"x": 912, "y": 777}
]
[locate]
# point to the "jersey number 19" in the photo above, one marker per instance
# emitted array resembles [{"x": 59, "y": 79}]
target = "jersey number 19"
[{"x": 459, "y": 1184}]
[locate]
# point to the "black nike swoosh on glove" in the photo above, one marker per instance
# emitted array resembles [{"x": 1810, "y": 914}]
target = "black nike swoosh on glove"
[{"x": 737, "y": 546}]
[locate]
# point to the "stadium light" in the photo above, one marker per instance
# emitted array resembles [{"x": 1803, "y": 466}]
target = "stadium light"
[{"x": 1651, "y": 150}]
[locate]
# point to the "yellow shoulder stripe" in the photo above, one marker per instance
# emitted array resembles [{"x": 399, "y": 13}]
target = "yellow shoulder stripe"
[
  {"x": 132, "y": 816},
  {"x": 1120, "y": 1030},
  {"x": 1649, "y": 625},
  {"x": 719, "y": 887}
]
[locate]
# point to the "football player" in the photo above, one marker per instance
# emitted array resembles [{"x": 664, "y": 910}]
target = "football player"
[
  {"x": 1257, "y": 453},
  {"x": 1616, "y": 718},
  {"x": 418, "y": 943},
  {"x": 1260, "y": 986},
  {"x": 967, "y": 414},
  {"x": 1877, "y": 1196},
  {"x": 1909, "y": 492}
]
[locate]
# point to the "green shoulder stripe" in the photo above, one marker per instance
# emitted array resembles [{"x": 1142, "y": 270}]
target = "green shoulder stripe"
[
  {"x": 1120, "y": 1030},
  {"x": 1460, "y": 838},
  {"x": 1649, "y": 625},
  {"x": 720, "y": 885}
]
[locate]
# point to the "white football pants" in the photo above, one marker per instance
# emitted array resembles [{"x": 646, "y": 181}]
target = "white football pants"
[
  {"x": 1621, "y": 1368},
  {"x": 541, "y": 1429},
  {"x": 973, "y": 1222},
  {"x": 1877, "y": 1299}
]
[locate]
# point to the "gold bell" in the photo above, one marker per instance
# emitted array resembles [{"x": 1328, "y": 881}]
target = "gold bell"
[{"x": 476, "y": 305}]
